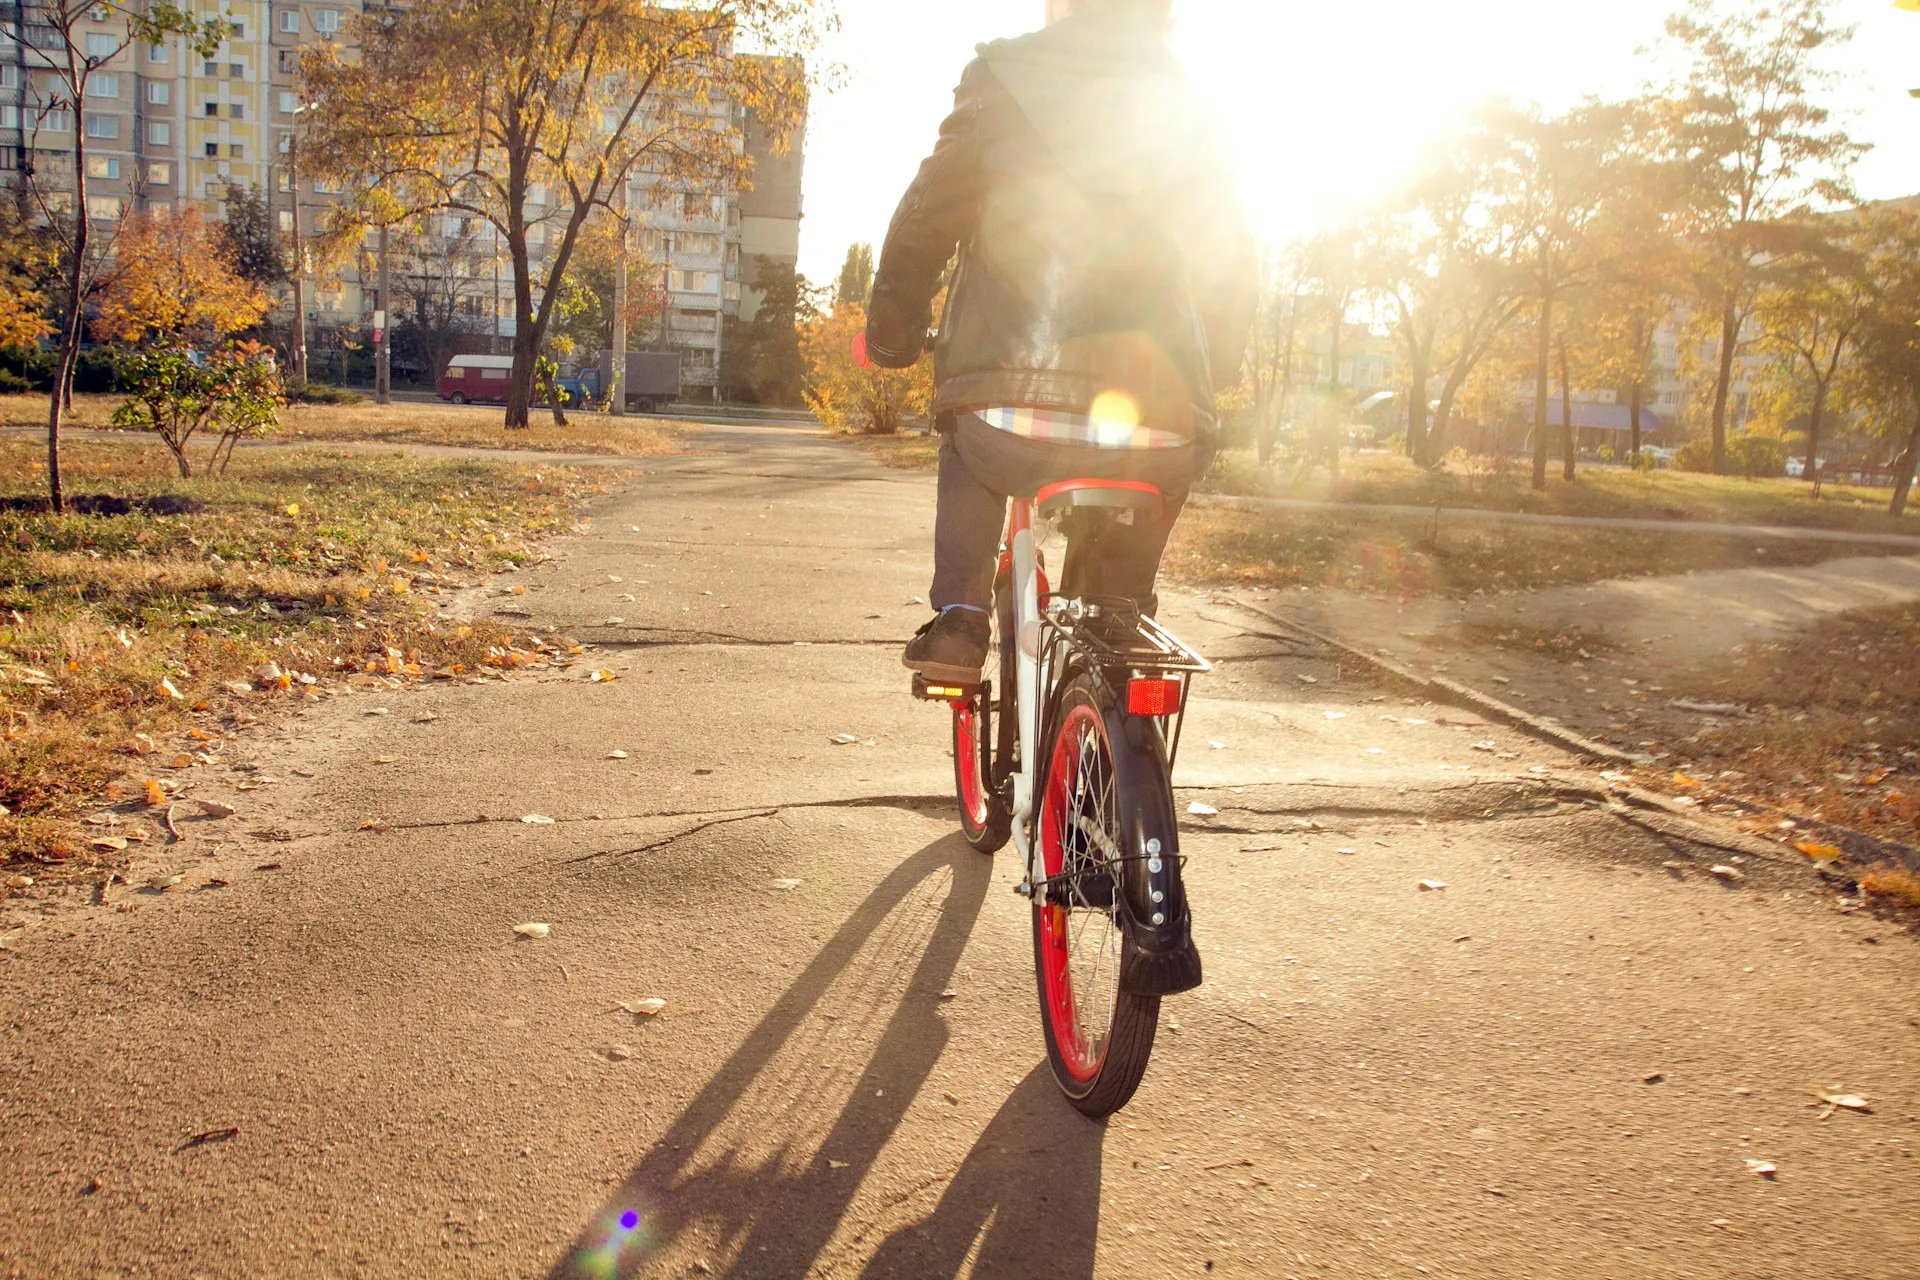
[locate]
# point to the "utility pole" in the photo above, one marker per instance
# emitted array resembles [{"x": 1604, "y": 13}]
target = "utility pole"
[
  {"x": 617, "y": 358},
  {"x": 382, "y": 331},
  {"x": 299, "y": 336}
]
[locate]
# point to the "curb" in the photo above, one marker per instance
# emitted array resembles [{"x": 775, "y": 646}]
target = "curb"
[{"x": 1459, "y": 694}]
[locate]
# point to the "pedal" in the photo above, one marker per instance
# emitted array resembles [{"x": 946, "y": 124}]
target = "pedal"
[{"x": 943, "y": 692}]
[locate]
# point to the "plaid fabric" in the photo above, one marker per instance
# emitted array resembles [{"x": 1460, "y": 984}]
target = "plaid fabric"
[{"x": 1077, "y": 428}]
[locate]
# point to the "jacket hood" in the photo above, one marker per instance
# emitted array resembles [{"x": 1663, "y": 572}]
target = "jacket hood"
[{"x": 1108, "y": 99}]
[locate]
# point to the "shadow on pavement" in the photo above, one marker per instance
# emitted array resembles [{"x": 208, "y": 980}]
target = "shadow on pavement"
[
  {"x": 1028, "y": 1195},
  {"x": 771, "y": 1215}
]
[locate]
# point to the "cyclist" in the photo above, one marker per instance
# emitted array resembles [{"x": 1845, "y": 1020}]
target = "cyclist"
[{"x": 1103, "y": 294}]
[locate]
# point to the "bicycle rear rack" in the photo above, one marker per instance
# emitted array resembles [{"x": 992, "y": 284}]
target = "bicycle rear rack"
[{"x": 1109, "y": 633}]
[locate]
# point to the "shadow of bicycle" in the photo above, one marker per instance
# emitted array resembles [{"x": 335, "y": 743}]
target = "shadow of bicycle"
[{"x": 761, "y": 1169}]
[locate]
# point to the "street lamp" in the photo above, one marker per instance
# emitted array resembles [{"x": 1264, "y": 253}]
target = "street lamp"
[{"x": 298, "y": 341}]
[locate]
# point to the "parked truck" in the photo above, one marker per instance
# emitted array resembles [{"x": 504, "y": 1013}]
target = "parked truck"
[{"x": 653, "y": 380}]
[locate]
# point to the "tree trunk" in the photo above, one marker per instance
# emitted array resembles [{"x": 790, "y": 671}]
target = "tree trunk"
[
  {"x": 1417, "y": 443},
  {"x": 1570, "y": 438},
  {"x": 1542, "y": 366},
  {"x": 1904, "y": 486},
  {"x": 1813, "y": 430},
  {"x": 1634, "y": 394},
  {"x": 1723, "y": 385}
]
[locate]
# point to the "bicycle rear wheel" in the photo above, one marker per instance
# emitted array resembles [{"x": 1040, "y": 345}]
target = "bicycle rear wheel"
[
  {"x": 1099, "y": 1037},
  {"x": 986, "y": 819}
]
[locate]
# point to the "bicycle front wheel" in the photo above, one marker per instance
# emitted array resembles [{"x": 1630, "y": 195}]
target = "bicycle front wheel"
[{"x": 1099, "y": 1037}]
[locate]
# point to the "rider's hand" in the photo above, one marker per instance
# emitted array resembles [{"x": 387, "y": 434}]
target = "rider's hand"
[{"x": 860, "y": 357}]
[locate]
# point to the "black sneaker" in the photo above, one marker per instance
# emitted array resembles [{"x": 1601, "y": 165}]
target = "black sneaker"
[{"x": 952, "y": 648}]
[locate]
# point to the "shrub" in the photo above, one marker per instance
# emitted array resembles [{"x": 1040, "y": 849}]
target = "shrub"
[
  {"x": 1755, "y": 457},
  {"x": 848, "y": 397},
  {"x": 175, "y": 394},
  {"x": 1695, "y": 455},
  {"x": 320, "y": 393},
  {"x": 12, "y": 383}
]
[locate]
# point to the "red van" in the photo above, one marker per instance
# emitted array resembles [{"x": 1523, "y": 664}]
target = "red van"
[{"x": 476, "y": 380}]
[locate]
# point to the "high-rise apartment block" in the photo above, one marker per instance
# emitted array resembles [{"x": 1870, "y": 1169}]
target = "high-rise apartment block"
[{"x": 164, "y": 125}]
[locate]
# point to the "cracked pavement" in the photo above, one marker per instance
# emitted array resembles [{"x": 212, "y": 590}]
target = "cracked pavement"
[{"x": 1557, "y": 1066}]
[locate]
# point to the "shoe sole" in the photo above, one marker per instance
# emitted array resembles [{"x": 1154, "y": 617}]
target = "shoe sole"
[{"x": 942, "y": 673}]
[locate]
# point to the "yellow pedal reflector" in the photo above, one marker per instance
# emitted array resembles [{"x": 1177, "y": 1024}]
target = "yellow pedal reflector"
[{"x": 945, "y": 692}]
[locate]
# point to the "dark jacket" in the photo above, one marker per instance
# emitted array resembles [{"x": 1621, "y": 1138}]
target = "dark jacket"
[{"x": 1102, "y": 246}]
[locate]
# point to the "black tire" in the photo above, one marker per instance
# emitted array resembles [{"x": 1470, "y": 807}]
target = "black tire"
[
  {"x": 457, "y": 398},
  {"x": 1099, "y": 1037},
  {"x": 986, "y": 818}
]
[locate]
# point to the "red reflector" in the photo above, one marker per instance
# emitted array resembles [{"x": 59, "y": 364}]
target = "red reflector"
[{"x": 1153, "y": 697}]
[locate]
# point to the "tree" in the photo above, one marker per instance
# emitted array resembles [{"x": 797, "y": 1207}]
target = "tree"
[
  {"x": 856, "y": 277},
  {"x": 1886, "y": 382},
  {"x": 253, "y": 247},
  {"x": 23, "y": 302},
  {"x": 535, "y": 115},
  {"x": 1742, "y": 121},
  {"x": 850, "y": 397},
  {"x": 73, "y": 40},
  {"x": 177, "y": 281},
  {"x": 1275, "y": 343},
  {"x": 1811, "y": 315},
  {"x": 761, "y": 362}
]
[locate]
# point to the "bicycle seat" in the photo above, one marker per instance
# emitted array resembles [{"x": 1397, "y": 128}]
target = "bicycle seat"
[{"x": 1135, "y": 495}]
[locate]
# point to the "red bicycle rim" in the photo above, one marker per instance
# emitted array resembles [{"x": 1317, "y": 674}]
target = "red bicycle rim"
[
  {"x": 966, "y": 746},
  {"x": 1081, "y": 1058}
]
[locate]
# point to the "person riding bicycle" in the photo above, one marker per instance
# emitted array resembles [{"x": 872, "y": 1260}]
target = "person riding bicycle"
[{"x": 1103, "y": 295}]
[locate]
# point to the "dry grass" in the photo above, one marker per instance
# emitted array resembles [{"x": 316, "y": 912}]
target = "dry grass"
[
  {"x": 1612, "y": 492},
  {"x": 1410, "y": 556},
  {"x": 125, "y": 640},
  {"x": 408, "y": 423},
  {"x": 901, "y": 452},
  {"x": 1835, "y": 729}
]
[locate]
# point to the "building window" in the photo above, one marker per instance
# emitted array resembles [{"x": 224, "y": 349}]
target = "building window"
[
  {"x": 103, "y": 167},
  {"x": 239, "y": 31},
  {"x": 236, "y": 111},
  {"x": 731, "y": 291},
  {"x": 236, "y": 70},
  {"x": 288, "y": 60},
  {"x": 211, "y": 150},
  {"x": 211, "y": 70},
  {"x": 288, "y": 102},
  {"x": 238, "y": 151},
  {"x": 156, "y": 53},
  {"x": 103, "y": 126},
  {"x": 286, "y": 220},
  {"x": 159, "y": 173},
  {"x": 290, "y": 21},
  {"x": 106, "y": 208},
  {"x": 159, "y": 92},
  {"x": 692, "y": 282},
  {"x": 159, "y": 133},
  {"x": 101, "y": 84},
  {"x": 100, "y": 45},
  {"x": 9, "y": 76},
  {"x": 326, "y": 21}
]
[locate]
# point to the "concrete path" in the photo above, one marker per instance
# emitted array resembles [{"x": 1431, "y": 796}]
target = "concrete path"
[{"x": 327, "y": 1054}]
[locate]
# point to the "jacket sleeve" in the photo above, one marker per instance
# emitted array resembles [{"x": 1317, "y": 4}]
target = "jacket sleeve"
[
  {"x": 935, "y": 218},
  {"x": 1226, "y": 274}
]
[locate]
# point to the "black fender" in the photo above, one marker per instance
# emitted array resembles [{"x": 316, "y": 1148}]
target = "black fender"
[{"x": 1160, "y": 957}]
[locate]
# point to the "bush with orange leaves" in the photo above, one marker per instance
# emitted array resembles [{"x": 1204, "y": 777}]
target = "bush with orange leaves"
[{"x": 847, "y": 397}]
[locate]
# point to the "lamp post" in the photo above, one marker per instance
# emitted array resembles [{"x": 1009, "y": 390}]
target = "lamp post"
[
  {"x": 616, "y": 387},
  {"x": 298, "y": 338},
  {"x": 382, "y": 331}
]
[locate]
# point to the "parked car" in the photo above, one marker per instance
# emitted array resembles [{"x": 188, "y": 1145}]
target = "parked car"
[{"x": 476, "y": 380}]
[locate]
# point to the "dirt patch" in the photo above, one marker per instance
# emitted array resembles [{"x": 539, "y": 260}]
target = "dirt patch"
[{"x": 106, "y": 504}]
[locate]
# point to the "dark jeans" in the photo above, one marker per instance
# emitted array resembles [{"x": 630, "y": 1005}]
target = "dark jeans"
[{"x": 981, "y": 467}]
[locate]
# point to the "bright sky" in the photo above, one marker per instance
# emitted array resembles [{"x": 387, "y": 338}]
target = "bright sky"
[{"x": 1332, "y": 105}]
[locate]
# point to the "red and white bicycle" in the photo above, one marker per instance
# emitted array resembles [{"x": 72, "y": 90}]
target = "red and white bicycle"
[{"x": 1069, "y": 747}]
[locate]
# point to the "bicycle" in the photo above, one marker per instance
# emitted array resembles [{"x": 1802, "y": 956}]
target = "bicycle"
[{"x": 1072, "y": 757}]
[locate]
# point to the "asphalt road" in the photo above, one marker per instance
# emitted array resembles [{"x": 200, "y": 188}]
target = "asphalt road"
[{"x": 349, "y": 1065}]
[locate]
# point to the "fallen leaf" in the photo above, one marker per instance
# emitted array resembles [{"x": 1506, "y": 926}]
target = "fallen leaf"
[
  {"x": 1217, "y": 746},
  {"x": 1486, "y": 746},
  {"x": 1308, "y": 679},
  {"x": 1733, "y": 875},
  {"x": 616, "y": 755},
  {"x": 214, "y": 809},
  {"x": 618, "y": 1053},
  {"x": 784, "y": 885},
  {"x": 164, "y": 881},
  {"x": 1334, "y": 715},
  {"x": 1820, "y": 852},
  {"x": 386, "y": 759},
  {"x": 156, "y": 794},
  {"x": 537, "y": 820},
  {"x": 375, "y": 824},
  {"x": 842, "y": 1164},
  {"x": 1199, "y": 810},
  {"x": 843, "y": 739},
  {"x": 1843, "y": 1101},
  {"x": 108, "y": 842},
  {"x": 1350, "y": 852},
  {"x": 533, "y": 930},
  {"x": 1432, "y": 886},
  {"x": 603, "y": 676},
  {"x": 1682, "y": 780},
  {"x": 166, "y": 687},
  {"x": 648, "y": 1008}
]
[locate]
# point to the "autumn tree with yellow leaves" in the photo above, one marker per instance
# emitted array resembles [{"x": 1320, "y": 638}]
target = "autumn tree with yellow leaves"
[
  {"x": 176, "y": 281},
  {"x": 536, "y": 117}
]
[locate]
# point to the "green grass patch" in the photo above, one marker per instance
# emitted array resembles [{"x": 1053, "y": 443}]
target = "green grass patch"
[{"x": 133, "y": 644}]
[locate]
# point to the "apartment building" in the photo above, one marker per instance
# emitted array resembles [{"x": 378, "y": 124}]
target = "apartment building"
[{"x": 165, "y": 125}]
